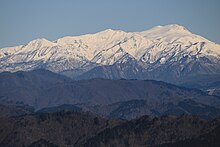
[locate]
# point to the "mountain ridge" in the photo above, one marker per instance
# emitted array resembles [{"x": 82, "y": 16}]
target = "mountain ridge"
[
  {"x": 42, "y": 88},
  {"x": 168, "y": 53},
  {"x": 154, "y": 48}
]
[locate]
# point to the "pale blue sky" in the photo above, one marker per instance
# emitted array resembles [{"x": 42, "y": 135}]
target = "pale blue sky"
[{"x": 24, "y": 20}]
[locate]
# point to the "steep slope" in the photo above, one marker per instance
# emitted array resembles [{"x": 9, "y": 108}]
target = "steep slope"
[{"x": 163, "y": 53}]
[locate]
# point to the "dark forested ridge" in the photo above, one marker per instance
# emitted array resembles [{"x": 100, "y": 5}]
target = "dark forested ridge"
[{"x": 71, "y": 128}]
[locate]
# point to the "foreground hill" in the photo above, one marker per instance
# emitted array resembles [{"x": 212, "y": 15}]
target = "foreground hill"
[
  {"x": 63, "y": 129},
  {"x": 85, "y": 129},
  {"x": 147, "y": 131}
]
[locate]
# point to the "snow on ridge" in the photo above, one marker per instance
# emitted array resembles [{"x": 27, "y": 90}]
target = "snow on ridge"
[{"x": 159, "y": 44}]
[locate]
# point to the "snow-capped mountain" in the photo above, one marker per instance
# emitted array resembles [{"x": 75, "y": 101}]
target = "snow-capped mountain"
[{"x": 163, "y": 52}]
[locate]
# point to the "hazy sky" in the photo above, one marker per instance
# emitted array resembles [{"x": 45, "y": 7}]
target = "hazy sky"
[{"x": 24, "y": 20}]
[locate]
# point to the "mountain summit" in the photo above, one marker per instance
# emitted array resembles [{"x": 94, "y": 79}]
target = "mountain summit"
[{"x": 163, "y": 53}]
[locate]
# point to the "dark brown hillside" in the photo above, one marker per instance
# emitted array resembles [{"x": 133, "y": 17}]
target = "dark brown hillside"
[
  {"x": 62, "y": 129},
  {"x": 149, "y": 132},
  {"x": 67, "y": 129}
]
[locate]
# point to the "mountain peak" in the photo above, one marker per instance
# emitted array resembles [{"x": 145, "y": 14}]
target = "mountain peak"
[
  {"x": 176, "y": 27},
  {"x": 40, "y": 41},
  {"x": 111, "y": 31},
  {"x": 168, "y": 28}
]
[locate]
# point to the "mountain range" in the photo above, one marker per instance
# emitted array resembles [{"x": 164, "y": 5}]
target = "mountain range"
[
  {"x": 126, "y": 99},
  {"x": 157, "y": 88},
  {"x": 168, "y": 53}
]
